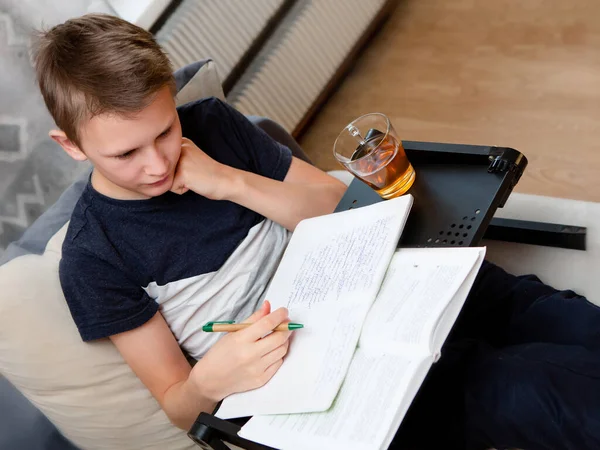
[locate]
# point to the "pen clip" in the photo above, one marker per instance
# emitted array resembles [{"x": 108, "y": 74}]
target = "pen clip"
[{"x": 219, "y": 321}]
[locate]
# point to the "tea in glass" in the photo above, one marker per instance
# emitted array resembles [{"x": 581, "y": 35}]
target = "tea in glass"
[{"x": 369, "y": 148}]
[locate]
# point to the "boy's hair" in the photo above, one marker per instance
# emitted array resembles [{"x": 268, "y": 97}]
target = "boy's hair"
[{"x": 98, "y": 64}]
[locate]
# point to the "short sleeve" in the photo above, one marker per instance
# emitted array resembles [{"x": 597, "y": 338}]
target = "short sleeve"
[
  {"x": 102, "y": 300},
  {"x": 238, "y": 142}
]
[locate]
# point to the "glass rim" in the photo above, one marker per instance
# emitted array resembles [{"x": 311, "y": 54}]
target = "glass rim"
[{"x": 344, "y": 159}]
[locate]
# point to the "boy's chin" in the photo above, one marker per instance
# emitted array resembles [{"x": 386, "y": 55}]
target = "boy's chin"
[
  {"x": 152, "y": 190},
  {"x": 158, "y": 190}
]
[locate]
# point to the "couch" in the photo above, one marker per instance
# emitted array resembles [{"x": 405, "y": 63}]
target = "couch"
[{"x": 33, "y": 353}]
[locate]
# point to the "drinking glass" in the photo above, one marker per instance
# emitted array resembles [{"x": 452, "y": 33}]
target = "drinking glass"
[{"x": 370, "y": 149}]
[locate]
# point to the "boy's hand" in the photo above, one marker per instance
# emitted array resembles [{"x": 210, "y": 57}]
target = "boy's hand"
[
  {"x": 245, "y": 359},
  {"x": 200, "y": 173}
]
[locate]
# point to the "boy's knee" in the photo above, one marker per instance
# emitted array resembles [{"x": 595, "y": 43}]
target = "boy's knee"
[
  {"x": 516, "y": 402},
  {"x": 506, "y": 397}
]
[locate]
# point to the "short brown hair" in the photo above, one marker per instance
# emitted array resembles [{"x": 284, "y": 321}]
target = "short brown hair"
[{"x": 98, "y": 64}]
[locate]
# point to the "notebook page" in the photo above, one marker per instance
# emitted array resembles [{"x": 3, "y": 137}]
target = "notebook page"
[
  {"x": 441, "y": 332},
  {"x": 368, "y": 404},
  {"x": 418, "y": 286},
  {"x": 328, "y": 278},
  {"x": 450, "y": 314}
]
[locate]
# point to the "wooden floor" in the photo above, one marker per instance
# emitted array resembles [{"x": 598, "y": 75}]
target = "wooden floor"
[{"x": 503, "y": 72}]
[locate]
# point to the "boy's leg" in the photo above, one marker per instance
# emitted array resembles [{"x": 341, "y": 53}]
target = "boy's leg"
[
  {"x": 436, "y": 417},
  {"x": 534, "y": 396},
  {"x": 503, "y": 309},
  {"x": 479, "y": 330},
  {"x": 488, "y": 310}
]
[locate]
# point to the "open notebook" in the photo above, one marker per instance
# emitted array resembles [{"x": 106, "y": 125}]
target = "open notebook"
[
  {"x": 328, "y": 278},
  {"x": 420, "y": 299}
]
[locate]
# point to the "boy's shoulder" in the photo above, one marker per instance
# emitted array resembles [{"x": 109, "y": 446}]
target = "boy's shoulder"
[
  {"x": 211, "y": 114},
  {"x": 127, "y": 234},
  {"x": 83, "y": 234},
  {"x": 96, "y": 218},
  {"x": 208, "y": 121},
  {"x": 207, "y": 108}
]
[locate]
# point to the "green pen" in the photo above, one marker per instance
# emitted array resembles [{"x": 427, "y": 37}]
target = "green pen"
[{"x": 227, "y": 326}]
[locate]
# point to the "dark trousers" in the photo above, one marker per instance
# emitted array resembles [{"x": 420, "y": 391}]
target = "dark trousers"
[{"x": 521, "y": 369}]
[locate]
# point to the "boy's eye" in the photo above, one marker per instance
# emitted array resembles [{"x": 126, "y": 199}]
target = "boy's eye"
[
  {"x": 125, "y": 155},
  {"x": 164, "y": 133}
]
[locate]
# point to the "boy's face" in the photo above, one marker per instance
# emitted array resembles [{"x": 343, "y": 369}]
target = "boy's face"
[{"x": 135, "y": 157}]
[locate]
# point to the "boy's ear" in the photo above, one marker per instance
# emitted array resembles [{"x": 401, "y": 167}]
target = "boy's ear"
[{"x": 68, "y": 145}]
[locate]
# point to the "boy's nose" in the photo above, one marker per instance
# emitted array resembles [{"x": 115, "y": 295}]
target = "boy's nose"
[{"x": 157, "y": 164}]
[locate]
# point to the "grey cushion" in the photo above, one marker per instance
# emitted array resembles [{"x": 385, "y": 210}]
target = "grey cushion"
[
  {"x": 278, "y": 133},
  {"x": 197, "y": 80},
  {"x": 36, "y": 237},
  {"x": 25, "y": 427}
]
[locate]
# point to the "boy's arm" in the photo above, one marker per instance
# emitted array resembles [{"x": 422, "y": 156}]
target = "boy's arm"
[
  {"x": 238, "y": 362},
  {"x": 152, "y": 352},
  {"x": 305, "y": 192}
]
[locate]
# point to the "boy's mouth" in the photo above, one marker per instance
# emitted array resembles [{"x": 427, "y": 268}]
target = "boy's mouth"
[{"x": 160, "y": 182}]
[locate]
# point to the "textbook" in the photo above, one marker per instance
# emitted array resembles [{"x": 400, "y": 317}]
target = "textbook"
[
  {"x": 328, "y": 279},
  {"x": 419, "y": 301}
]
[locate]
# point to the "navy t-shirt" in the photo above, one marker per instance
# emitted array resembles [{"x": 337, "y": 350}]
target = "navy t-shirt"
[{"x": 122, "y": 259}]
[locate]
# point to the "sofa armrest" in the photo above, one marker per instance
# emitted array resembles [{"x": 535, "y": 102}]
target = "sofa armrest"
[{"x": 278, "y": 133}]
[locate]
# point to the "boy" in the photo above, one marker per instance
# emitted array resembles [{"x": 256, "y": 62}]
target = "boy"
[{"x": 171, "y": 232}]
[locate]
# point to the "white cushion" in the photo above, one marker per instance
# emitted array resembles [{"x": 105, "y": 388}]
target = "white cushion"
[
  {"x": 86, "y": 389},
  {"x": 343, "y": 175}
]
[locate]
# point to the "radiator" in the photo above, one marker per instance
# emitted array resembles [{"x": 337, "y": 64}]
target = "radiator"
[
  {"x": 294, "y": 66},
  {"x": 297, "y": 63},
  {"x": 223, "y": 30}
]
